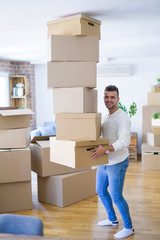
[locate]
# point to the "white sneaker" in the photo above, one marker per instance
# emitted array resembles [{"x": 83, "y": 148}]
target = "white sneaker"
[
  {"x": 124, "y": 233},
  {"x": 108, "y": 223}
]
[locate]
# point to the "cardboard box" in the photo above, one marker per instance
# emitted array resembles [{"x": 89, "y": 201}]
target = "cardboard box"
[
  {"x": 145, "y": 129},
  {"x": 152, "y": 161},
  {"x": 147, "y": 113},
  {"x": 153, "y": 139},
  {"x": 15, "y": 138},
  {"x": 156, "y": 130},
  {"x": 16, "y": 118},
  {"x": 76, "y": 154},
  {"x": 76, "y": 100},
  {"x": 71, "y": 74},
  {"x": 78, "y": 126},
  {"x": 63, "y": 190},
  {"x": 73, "y": 48},
  {"x": 145, "y": 147},
  {"x": 79, "y": 24},
  {"x": 156, "y": 88},
  {"x": 148, "y": 148},
  {"x": 40, "y": 159},
  {"x": 15, "y": 165},
  {"x": 154, "y": 98},
  {"x": 15, "y": 196}
]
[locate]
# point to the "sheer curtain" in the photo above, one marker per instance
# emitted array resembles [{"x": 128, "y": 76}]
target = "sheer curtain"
[{"x": 4, "y": 90}]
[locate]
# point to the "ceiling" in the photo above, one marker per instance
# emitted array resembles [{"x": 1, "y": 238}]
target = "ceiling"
[{"x": 129, "y": 28}]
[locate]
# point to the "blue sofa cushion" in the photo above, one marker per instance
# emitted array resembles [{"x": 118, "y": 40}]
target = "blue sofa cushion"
[
  {"x": 34, "y": 133},
  {"x": 46, "y": 131}
]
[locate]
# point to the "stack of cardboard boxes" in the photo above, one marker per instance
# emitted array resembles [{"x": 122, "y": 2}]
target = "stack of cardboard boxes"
[
  {"x": 151, "y": 131},
  {"x": 72, "y": 76},
  {"x": 15, "y": 160}
]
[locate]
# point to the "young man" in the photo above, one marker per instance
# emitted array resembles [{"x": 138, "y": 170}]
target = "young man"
[{"x": 116, "y": 127}]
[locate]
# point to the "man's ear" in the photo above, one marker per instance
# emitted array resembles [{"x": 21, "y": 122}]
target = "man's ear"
[{"x": 118, "y": 99}]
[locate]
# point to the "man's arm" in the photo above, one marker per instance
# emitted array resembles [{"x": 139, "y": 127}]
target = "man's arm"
[
  {"x": 101, "y": 150},
  {"x": 123, "y": 141}
]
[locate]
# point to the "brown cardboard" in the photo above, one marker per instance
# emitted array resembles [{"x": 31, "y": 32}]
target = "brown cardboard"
[
  {"x": 15, "y": 196},
  {"x": 15, "y": 165},
  {"x": 41, "y": 164},
  {"x": 151, "y": 161},
  {"x": 156, "y": 130},
  {"x": 71, "y": 74},
  {"x": 148, "y": 148},
  {"x": 153, "y": 139},
  {"x": 79, "y": 24},
  {"x": 145, "y": 129},
  {"x": 40, "y": 138},
  {"x": 147, "y": 113},
  {"x": 76, "y": 154},
  {"x": 15, "y": 138},
  {"x": 156, "y": 88},
  {"x": 15, "y": 118},
  {"x": 154, "y": 98},
  {"x": 63, "y": 190},
  {"x": 73, "y": 48},
  {"x": 84, "y": 99},
  {"x": 78, "y": 126}
]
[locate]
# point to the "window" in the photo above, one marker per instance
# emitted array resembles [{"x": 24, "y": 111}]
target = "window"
[{"x": 4, "y": 90}]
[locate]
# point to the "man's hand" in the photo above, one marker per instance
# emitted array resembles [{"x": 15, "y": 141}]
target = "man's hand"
[{"x": 98, "y": 152}]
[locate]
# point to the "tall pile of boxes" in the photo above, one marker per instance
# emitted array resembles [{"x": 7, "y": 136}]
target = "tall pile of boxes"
[
  {"x": 72, "y": 77},
  {"x": 151, "y": 131},
  {"x": 15, "y": 160}
]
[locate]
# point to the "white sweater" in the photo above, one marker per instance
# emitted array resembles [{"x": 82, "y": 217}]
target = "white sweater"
[{"x": 116, "y": 128}]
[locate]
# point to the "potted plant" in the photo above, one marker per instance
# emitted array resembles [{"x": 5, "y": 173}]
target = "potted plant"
[
  {"x": 132, "y": 110},
  {"x": 20, "y": 87},
  {"x": 156, "y": 120},
  {"x": 158, "y": 80}
]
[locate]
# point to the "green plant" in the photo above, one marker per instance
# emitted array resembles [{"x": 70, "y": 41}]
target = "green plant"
[
  {"x": 132, "y": 110},
  {"x": 158, "y": 79},
  {"x": 156, "y": 115}
]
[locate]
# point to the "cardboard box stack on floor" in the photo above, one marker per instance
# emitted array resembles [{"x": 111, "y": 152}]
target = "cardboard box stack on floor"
[
  {"x": 15, "y": 160},
  {"x": 73, "y": 52},
  {"x": 151, "y": 131}
]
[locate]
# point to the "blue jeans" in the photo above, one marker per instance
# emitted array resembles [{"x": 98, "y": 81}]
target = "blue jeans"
[{"x": 113, "y": 176}]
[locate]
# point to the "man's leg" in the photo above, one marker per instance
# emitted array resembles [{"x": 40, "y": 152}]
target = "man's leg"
[
  {"x": 116, "y": 175},
  {"x": 101, "y": 188}
]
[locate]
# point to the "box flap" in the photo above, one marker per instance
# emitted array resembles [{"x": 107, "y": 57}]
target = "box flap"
[
  {"x": 5, "y": 150},
  {"x": 82, "y": 143},
  {"x": 44, "y": 144},
  {"x": 77, "y": 115},
  {"x": 100, "y": 141},
  {"x": 39, "y": 138},
  {"x": 152, "y": 153},
  {"x": 77, "y": 16},
  {"x": 16, "y": 112},
  {"x": 20, "y": 149}
]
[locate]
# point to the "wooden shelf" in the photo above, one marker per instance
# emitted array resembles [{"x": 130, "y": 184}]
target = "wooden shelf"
[
  {"x": 19, "y": 101},
  {"x": 18, "y": 97},
  {"x": 133, "y": 147}
]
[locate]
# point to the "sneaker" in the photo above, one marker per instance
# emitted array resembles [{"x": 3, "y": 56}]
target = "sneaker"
[
  {"x": 108, "y": 223},
  {"x": 124, "y": 233}
]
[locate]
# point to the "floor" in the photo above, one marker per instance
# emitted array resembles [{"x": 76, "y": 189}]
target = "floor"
[{"x": 79, "y": 220}]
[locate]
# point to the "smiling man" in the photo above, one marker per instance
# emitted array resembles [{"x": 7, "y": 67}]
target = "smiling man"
[{"x": 116, "y": 127}]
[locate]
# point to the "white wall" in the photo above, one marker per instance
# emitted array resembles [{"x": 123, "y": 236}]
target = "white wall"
[
  {"x": 43, "y": 96},
  {"x": 144, "y": 74}
]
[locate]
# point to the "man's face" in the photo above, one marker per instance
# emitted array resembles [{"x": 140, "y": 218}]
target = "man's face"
[{"x": 111, "y": 100}]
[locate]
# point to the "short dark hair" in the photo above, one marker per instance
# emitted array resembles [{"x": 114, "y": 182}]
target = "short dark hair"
[{"x": 112, "y": 88}]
